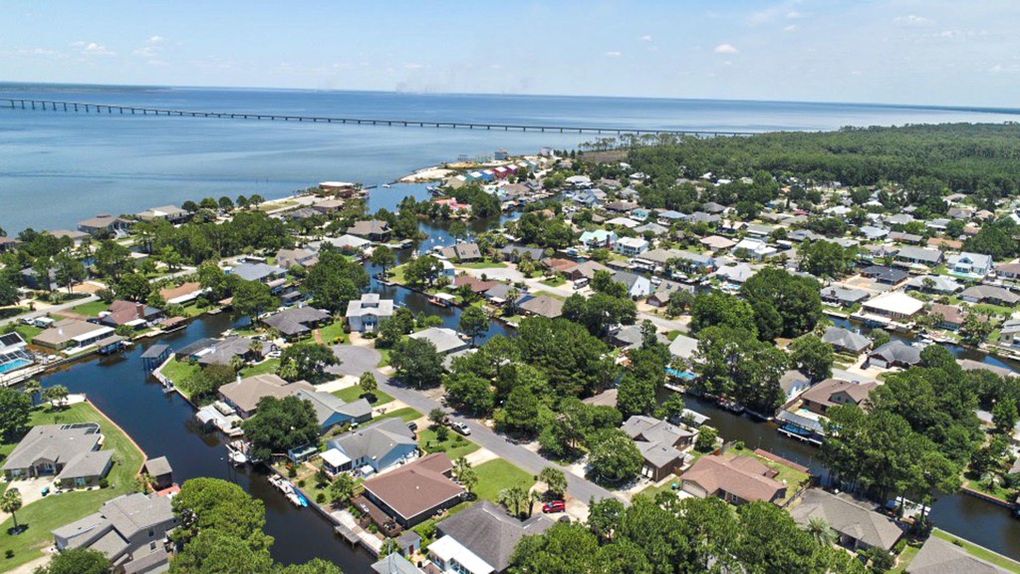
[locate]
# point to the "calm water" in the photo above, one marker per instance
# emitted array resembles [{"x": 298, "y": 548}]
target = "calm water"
[{"x": 77, "y": 165}]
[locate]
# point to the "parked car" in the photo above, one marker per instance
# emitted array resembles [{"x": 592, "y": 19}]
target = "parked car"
[
  {"x": 413, "y": 426},
  {"x": 461, "y": 427},
  {"x": 554, "y": 506}
]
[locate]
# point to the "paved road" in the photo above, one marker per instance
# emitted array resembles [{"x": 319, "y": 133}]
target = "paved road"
[
  {"x": 580, "y": 488},
  {"x": 52, "y": 309}
]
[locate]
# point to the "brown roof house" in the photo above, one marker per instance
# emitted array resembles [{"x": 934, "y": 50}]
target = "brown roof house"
[
  {"x": 129, "y": 313},
  {"x": 414, "y": 492},
  {"x": 373, "y": 229},
  {"x": 832, "y": 392},
  {"x": 737, "y": 479}
]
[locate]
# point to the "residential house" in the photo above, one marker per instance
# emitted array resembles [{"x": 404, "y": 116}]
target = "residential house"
[
  {"x": 288, "y": 258},
  {"x": 377, "y": 446},
  {"x": 130, "y": 314},
  {"x": 990, "y": 294},
  {"x": 297, "y": 322},
  {"x": 598, "y": 238},
  {"x": 735, "y": 479},
  {"x": 348, "y": 243},
  {"x": 104, "y": 224},
  {"x": 170, "y": 213},
  {"x": 366, "y": 314},
  {"x": 637, "y": 286},
  {"x": 655, "y": 260},
  {"x": 734, "y": 275},
  {"x": 885, "y": 275},
  {"x": 939, "y": 556},
  {"x": 970, "y": 265},
  {"x": 949, "y": 316},
  {"x": 183, "y": 294},
  {"x": 918, "y": 256},
  {"x": 651, "y": 229},
  {"x": 662, "y": 444},
  {"x": 514, "y": 253},
  {"x": 630, "y": 337},
  {"x": 585, "y": 270},
  {"x": 669, "y": 217},
  {"x": 244, "y": 396},
  {"x": 541, "y": 305},
  {"x": 846, "y": 341},
  {"x": 130, "y": 530},
  {"x": 1008, "y": 270},
  {"x": 481, "y": 539},
  {"x": 8, "y": 243},
  {"x": 69, "y": 452},
  {"x": 477, "y": 286},
  {"x": 872, "y": 233},
  {"x": 683, "y": 347},
  {"x": 755, "y": 249},
  {"x": 832, "y": 392},
  {"x": 395, "y": 564},
  {"x": 843, "y": 296},
  {"x": 462, "y": 251},
  {"x": 908, "y": 238},
  {"x": 621, "y": 206},
  {"x": 13, "y": 352},
  {"x": 660, "y": 298},
  {"x": 443, "y": 339},
  {"x": 717, "y": 243},
  {"x": 894, "y": 354},
  {"x": 893, "y": 305},
  {"x": 221, "y": 351},
  {"x": 414, "y": 492},
  {"x": 793, "y": 383},
  {"x": 690, "y": 262},
  {"x": 1009, "y": 333},
  {"x": 328, "y": 206},
  {"x": 631, "y": 246},
  {"x": 939, "y": 284},
  {"x": 372, "y": 229},
  {"x": 859, "y": 528},
  {"x": 72, "y": 334}
]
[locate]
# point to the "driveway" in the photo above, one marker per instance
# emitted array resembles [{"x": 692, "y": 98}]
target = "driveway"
[
  {"x": 354, "y": 360},
  {"x": 578, "y": 487}
]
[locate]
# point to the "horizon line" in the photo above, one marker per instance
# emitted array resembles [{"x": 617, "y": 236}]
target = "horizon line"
[{"x": 939, "y": 107}]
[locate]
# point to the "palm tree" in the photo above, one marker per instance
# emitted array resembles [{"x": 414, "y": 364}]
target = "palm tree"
[
  {"x": 514, "y": 498},
  {"x": 10, "y": 503},
  {"x": 32, "y": 388},
  {"x": 819, "y": 530},
  {"x": 56, "y": 395},
  {"x": 465, "y": 474}
]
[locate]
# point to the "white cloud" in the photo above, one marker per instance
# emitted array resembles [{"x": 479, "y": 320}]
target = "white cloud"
[
  {"x": 913, "y": 20},
  {"x": 646, "y": 38},
  {"x": 413, "y": 66},
  {"x": 790, "y": 28},
  {"x": 614, "y": 54},
  {"x": 726, "y": 49},
  {"x": 793, "y": 15},
  {"x": 153, "y": 40},
  {"x": 92, "y": 49}
]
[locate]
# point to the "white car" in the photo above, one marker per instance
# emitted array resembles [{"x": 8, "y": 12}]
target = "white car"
[{"x": 460, "y": 427}]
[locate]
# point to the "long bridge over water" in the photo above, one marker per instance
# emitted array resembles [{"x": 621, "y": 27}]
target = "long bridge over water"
[{"x": 112, "y": 109}]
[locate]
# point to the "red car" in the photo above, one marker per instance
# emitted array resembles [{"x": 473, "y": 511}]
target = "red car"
[{"x": 554, "y": 506}]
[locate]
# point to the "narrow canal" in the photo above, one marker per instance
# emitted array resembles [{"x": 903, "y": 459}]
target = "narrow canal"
[{"x": 164, "y": 425}]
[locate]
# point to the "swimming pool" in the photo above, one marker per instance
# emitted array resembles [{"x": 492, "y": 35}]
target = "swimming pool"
[{"x": 14, "y": 365}]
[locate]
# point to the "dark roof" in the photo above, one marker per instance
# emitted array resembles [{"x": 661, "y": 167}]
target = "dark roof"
[
  {"x": 885, "y": 274},
  {"x": 490, "y": 533},
  {"x": 155, "y": 351}
]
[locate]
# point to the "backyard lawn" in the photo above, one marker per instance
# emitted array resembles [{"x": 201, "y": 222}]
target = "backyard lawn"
[
  {"x": 353, "y": 393},
  {"x": 269, "y": 366},
  {"x": 497, "y": 474},
  {"x": 54, "y": 511},
  {"x": 92, "y": 309},
  {"x": 483, "y": 265},
  {"x": 455, "y": 446},
  {"x": 179, "y": 371}
]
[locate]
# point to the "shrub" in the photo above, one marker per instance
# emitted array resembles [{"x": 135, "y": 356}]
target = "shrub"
[{"x": 104, "y": 483}]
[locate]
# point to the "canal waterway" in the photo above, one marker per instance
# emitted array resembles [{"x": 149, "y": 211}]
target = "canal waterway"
[{"x": 164, "y": 424}]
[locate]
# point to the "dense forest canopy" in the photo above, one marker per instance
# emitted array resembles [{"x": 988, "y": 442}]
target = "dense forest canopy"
[{"x": 964, "y": 157}]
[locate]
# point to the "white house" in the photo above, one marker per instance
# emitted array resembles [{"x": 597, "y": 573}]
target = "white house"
[
  {"x": 975, "y": 265},
  {"x": 631, "y": 246},
  {"x": 365, "y": 314}
]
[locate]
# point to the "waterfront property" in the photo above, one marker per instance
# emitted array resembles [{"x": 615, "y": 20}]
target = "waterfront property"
[
  {"x": 443, "y": 339},
  {"x": 735, "y": 479},
  {"x": 414, "y": 492},
  {"x": 246, "y": 394},
  {"x": 481, "y": 539},
  {"x": 364, "y": 315},
  {"x": 297, "y": 322},
  {"x": 130, "y": 530},
  {"x": 858, "y": 527},
  {"x": 940, "y": 555},
  {"x": 377, "y": 446},
  {"x": 663, "y": 445},
  {"x": 72, "y": 453},
  {"x": 72, "y": 335}
]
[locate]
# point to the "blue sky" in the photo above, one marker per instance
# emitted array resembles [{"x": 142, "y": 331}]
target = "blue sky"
[{"x": 896, "y": 51}]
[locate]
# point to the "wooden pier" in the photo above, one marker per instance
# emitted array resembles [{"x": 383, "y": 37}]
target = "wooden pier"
[{"x": 120, "y": 110}]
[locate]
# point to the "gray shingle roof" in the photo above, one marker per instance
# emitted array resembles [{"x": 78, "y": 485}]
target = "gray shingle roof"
[
  {"x": 939, "y": 556},
  {"x": 848, "y": 518},
  {"x": 486, "y": 530},
  {"x": 374, "y": 441},
  {"x": 60, "y": 444}
]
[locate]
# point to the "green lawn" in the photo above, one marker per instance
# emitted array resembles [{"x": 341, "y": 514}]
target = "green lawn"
[
  {"x": 553, "y": 281},
  {"x": 269, "y": 366},
  {"x": 179, "y": 371},
  {"x": 351, "y": 394},
  {"x": 455, "y": 446},
  {"x": 194, "y": 310},
  {"x": 54, "y": 511},
  {"x": 793, "y": 478},
  {"x": 483, "y": 265},
  {"x": 997, "y": 490},
  {"x": 396, "y": 274},
  {"x": 384, "y": 360},
  {"x": 979, "y": 551},
  {"x": 905, "y": 558},
  {"x": 92, "y": 309},
  {"x": 495, "y": 475},
  {"x": 333, "y": 334},
  {"x": 27, "y": 332},
  {"x": 406, "y": 413}
]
